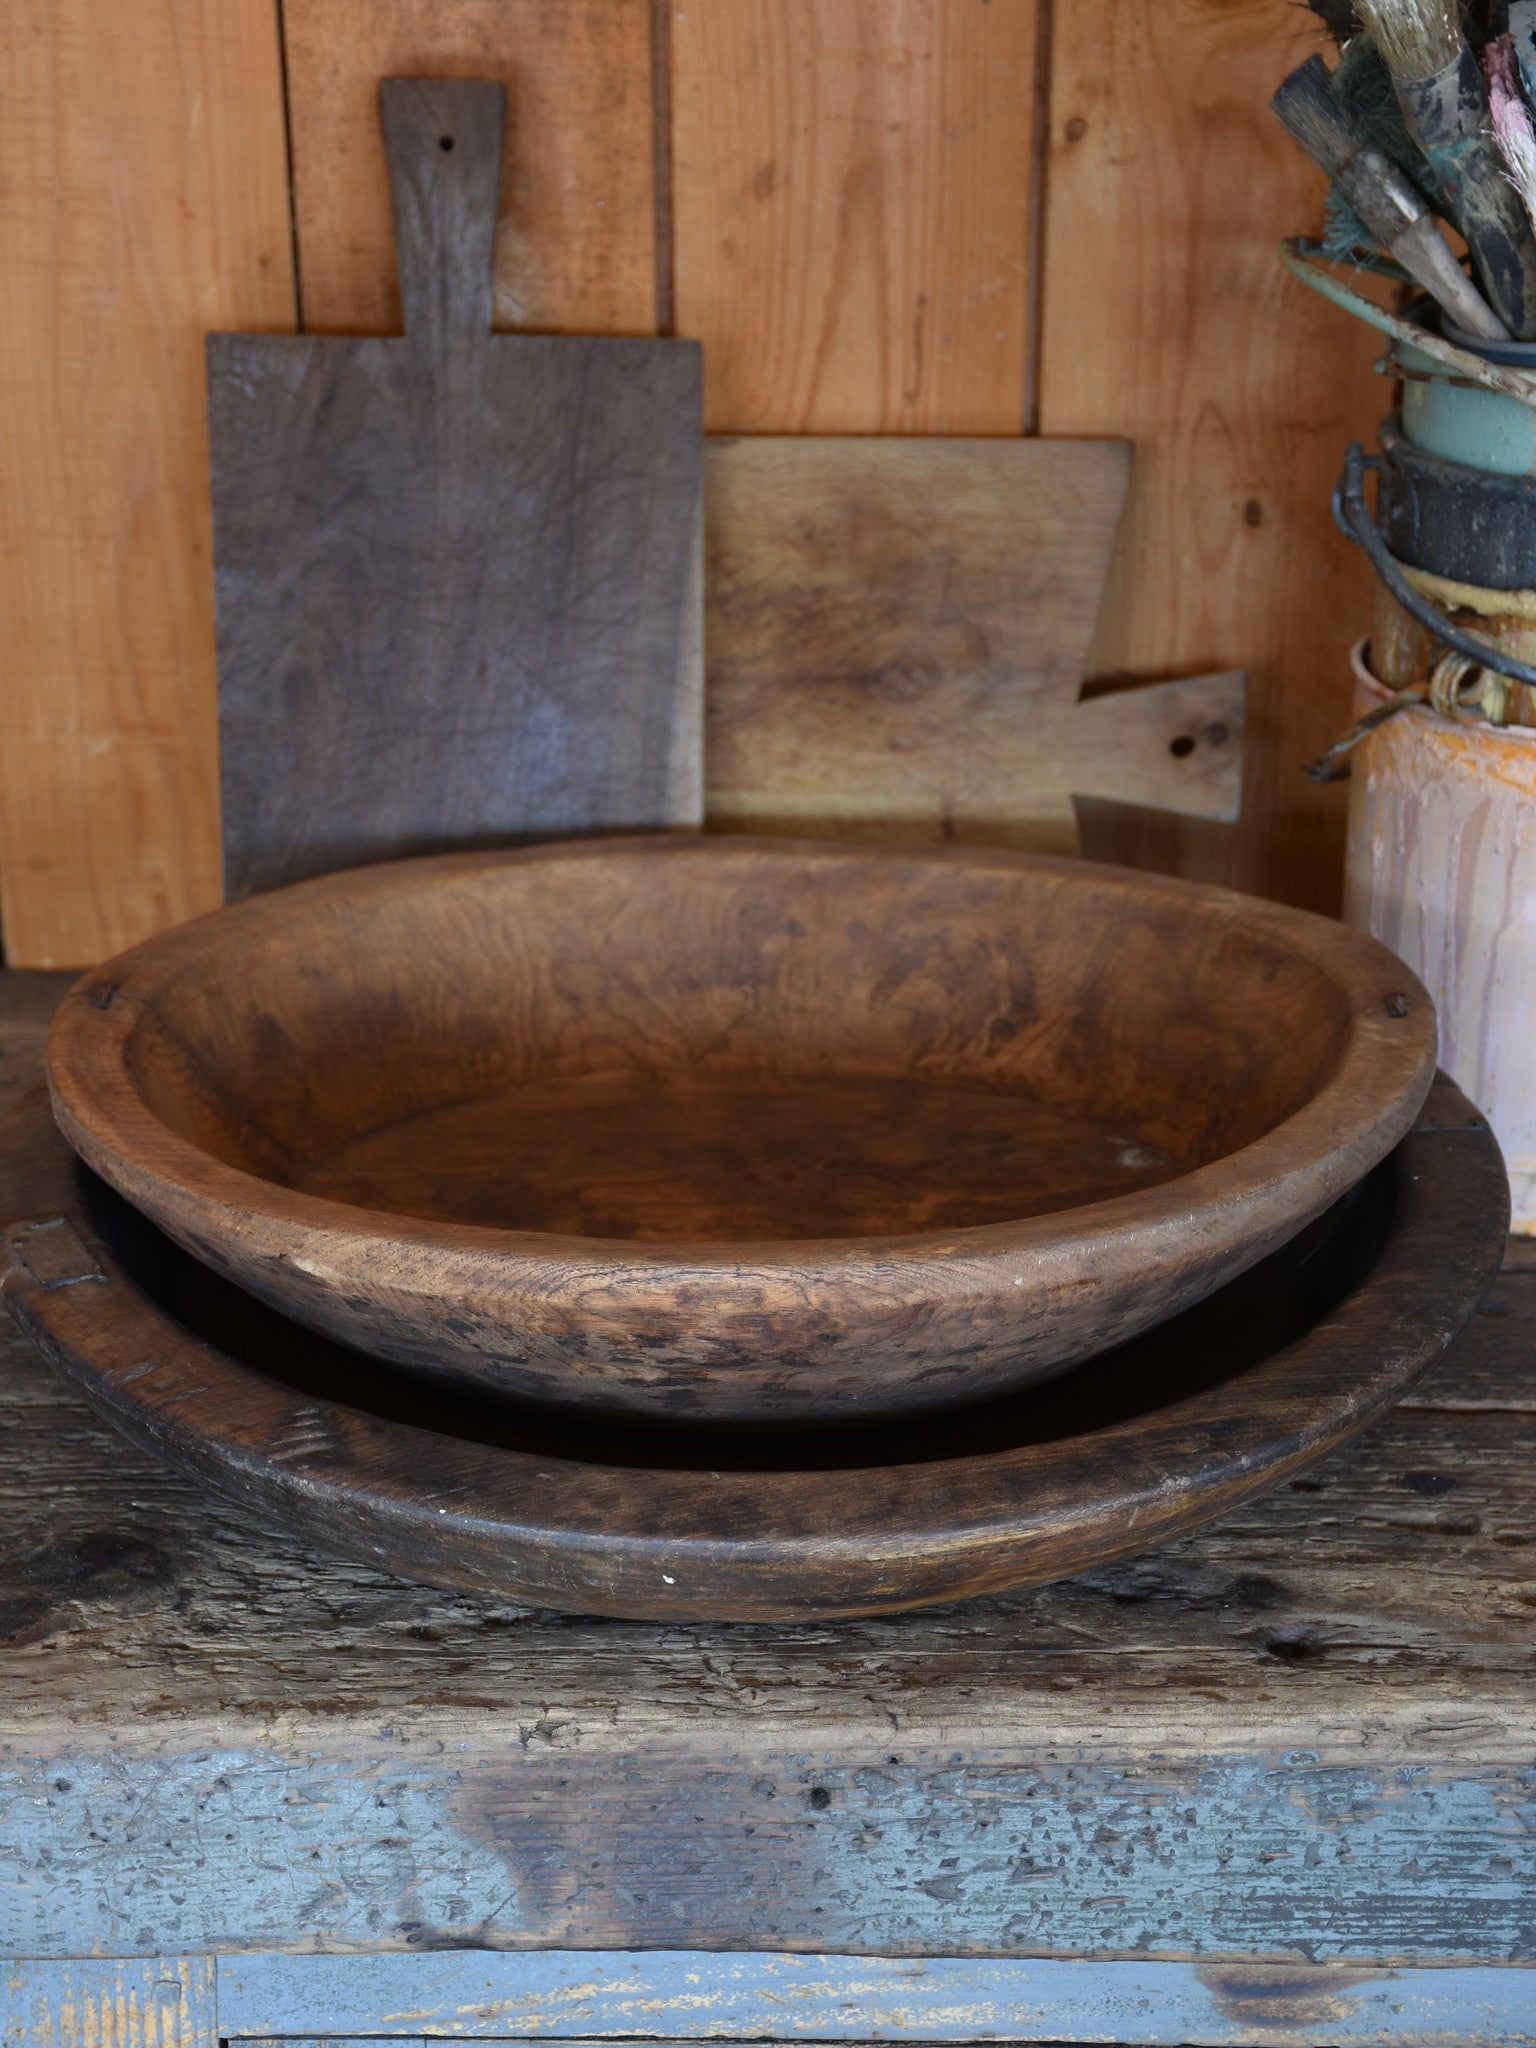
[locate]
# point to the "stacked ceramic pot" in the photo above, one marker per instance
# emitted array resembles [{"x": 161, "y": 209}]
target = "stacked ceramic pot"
[{"x": 1442, "y": 846}]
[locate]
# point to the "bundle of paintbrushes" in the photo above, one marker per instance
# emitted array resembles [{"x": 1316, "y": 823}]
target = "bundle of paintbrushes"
[
  {"x": 1426, "y": 131},
  {"x": 1429, "y": 112}
]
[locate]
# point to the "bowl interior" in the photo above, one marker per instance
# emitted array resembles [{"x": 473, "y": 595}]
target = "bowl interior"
[{"x": 732, "y": 1044}]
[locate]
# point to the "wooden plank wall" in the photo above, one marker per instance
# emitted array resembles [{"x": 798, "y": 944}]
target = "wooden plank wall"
[
  {"x": 885, "y": 216},
  {"x": 851, "y": 209},
  {"x": 142, "y": 201},
  {"x": 1166, "y": 318}
]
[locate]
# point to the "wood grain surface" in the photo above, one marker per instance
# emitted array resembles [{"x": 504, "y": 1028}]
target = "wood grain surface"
[
  {"x": 851, "y": 191},
  {"x": 1167, "y": 319},
  {"x": 896, "y": 631},
  {"x": 141, "y": 156},
  {"x": 576, "y": 228},
  {"x": 458, "y": 574},
  {"x": 812, "y": 1122},
  {"x": 1333, "y": 1678},
  {"x": 1193, "y": 1744},
  {"x": 853, "y": 237}
]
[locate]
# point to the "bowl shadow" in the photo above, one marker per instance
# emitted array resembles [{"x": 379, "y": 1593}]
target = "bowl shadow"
[{"x": 1230, "y": 1333}]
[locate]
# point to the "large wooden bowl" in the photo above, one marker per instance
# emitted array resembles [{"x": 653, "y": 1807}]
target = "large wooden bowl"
[
  {"x": 740, "y": 1132},
  {"x": 1136, "y": 1447}
]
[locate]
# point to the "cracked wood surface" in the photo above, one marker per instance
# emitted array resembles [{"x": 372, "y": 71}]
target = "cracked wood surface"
[{"x": 1307, "y": 1731}]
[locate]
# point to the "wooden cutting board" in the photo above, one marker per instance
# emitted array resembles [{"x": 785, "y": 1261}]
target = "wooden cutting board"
[
  {"x": 457, "y": 574},
  {"x": 896, "y": 637},
  {"x": 458, "y": 580}
]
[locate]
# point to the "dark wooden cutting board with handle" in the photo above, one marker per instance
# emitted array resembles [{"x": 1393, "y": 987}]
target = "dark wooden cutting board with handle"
[{"x": 457, "y": 574}]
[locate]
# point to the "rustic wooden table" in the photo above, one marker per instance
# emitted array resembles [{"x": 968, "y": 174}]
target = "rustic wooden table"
[{"x": 1274, "y": 1784}]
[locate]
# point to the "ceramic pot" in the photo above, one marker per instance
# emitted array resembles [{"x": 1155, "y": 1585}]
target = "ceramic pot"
[
  {"x": 1441, "y": 868},
  {"x": 1447, "y": 416}
]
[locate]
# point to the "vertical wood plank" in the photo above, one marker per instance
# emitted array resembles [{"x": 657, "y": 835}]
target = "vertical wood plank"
[
  {"x": 851, "y": 209},
  {"x": 576, "y": 241},
  {"x": 142, "y": 163},
  {"x": 1166, "y": 318},
  {"x": 139, "y": 2002}
]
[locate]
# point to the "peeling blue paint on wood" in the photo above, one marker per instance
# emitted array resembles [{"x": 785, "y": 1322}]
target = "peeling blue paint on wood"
[
  {"x": 510, "y": 1848},
  {"x": 118, "y": 1854},
  {"x": 145, "y": 2003},
  {"x": 687, "y": 1996},
  {"x": 410, "y": 2001}
]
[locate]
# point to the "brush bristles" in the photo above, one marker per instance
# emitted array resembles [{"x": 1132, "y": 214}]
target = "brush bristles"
[
  {"x": 1338, "y": 18},
  {"x": 1512, "y": 127},
  {"x": 1418, "y": 38},
  {"x": 1313, "y": 112}
]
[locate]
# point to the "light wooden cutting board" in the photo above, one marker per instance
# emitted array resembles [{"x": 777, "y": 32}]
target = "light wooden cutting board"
[{"x": 896, "y": 633}]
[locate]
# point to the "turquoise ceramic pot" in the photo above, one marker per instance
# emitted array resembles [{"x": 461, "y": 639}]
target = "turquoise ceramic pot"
[{"x": 1460, "y": 422}]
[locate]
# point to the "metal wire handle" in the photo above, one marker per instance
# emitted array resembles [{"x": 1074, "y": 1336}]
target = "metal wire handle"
[{"x": 1353, "y": 518}]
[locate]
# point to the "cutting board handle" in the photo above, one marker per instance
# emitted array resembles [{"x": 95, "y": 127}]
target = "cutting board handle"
[{"x": 443, "y": 140}]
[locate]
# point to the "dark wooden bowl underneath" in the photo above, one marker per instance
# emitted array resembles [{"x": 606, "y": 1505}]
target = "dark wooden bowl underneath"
[
  {"x": 1168, "y": 1432},
  {"x": 733, "y": 1132}
]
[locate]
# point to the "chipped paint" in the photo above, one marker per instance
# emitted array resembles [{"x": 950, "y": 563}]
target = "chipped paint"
[
  {"x": 129, "y": 2004},
  {"x": 520, "y": 1846},
  {"x": 236, "y": 1847},
  {"x": 682, "y": 1996},
  {"x": 400, "y": 2001}
]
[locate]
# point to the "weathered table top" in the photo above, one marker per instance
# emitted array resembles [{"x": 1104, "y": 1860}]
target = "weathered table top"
[{"x": 1308, "y": 1733}]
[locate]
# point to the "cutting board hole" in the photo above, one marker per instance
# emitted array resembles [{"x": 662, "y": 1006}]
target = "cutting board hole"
[
  {"x": 445, "y": 142},
  {"x": 1181, "y": 747}
]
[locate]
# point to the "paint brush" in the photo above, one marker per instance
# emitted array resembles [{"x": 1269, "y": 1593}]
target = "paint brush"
[
  {"x": 1338, "y": 17},
  {"x": 1513, "y": 130},
  {"x": 1392, "y": 211},
  {"x": 1363, "y": 82},
  {"x": 1440, "y": 90}
]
